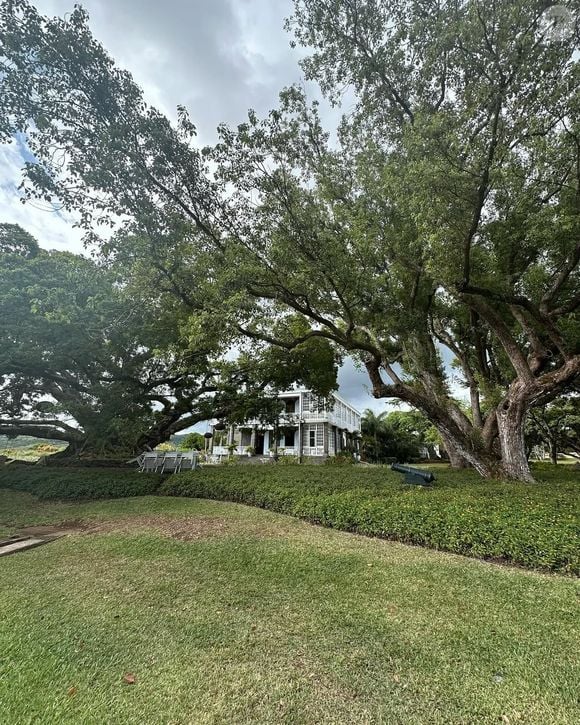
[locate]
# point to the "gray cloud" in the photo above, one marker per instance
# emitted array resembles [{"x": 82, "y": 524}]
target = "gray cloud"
[
  {"x": 354, "y": 387},
  {"x": 216, "y": 57}
]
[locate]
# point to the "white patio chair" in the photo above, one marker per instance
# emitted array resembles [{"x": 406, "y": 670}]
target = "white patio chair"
[
  {"x": 170, "y": 462},
  {"x": 188, "y": 461},
  {"x": 150, "y": 461}
]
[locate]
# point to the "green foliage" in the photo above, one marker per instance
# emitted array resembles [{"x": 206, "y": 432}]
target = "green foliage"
[
  {"x": 287, "y": 460},
  {"x": 263, "y": 619},
  {"x": 192, "y": 440},
  {"x": 396, "y": 436},
  {"x": 77, "y": 483},
  {"x": 439, "y": 216},
  {"x": 15, "y": 240},
  {"x": 27, "y": 448},
  {"x": 104, "y": 348},
  {"x": 535, "y": 526},
  {"x": 80, "y": 360},
  {"x": 556, "y": 425},
  {"x": 312, "y": 363},
  {"x": 342, "y": 458}
]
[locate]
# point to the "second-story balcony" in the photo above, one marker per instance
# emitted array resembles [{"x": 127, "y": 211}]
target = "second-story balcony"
[
  {"x": 284, "y": 419},
  {"x": 307, "y": 416}
]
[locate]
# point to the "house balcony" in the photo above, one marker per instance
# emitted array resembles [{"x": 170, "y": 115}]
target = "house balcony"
[
  {"x": 293, "y": 419},
  {"x": 284, "y": 419},
  {"x": 223, "y": 451}
]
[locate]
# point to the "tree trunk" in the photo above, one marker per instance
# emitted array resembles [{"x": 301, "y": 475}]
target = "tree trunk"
[
  {"x": 554, "y": 451},
  {"x": 275, "y": 431},
  {"x": 455, "y": 458},
  {"x": 511, "y": 416},
  {"x": 475, "y": 445},
  {"x": 464, "y": 443},
  {"x": 487, "y": 464}
]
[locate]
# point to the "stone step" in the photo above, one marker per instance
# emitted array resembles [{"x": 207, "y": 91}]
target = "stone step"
[{"x": 21, "y": 545}]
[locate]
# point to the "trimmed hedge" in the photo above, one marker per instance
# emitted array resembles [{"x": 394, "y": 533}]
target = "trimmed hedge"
[
  {"x": 536, "y": 525},
  {"x": 76, "y": 483}
]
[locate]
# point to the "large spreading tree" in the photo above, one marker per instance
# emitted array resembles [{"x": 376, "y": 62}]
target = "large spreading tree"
[
  {"x": 102, "y": 357},
  {"x": 444, "y": 215},
  {"x": 85, "y": 361}
]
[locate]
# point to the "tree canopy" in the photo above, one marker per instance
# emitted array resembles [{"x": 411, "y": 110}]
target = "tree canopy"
[
  {"x": 91, "y": 357},
  {"x": 15, "y": 240},
  {"x": 444, "y": 215}
]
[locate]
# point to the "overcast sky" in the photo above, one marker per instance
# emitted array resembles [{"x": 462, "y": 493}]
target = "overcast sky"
[{"x": 216, "y": 57}]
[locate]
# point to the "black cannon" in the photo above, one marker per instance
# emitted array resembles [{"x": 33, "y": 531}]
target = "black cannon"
[{"x": 414, "y": 475}]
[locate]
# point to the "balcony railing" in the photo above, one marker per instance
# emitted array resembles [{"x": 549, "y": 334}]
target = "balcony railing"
[
  {"x": 308, "y": 416},
  {"x": 221, "y": 452}
]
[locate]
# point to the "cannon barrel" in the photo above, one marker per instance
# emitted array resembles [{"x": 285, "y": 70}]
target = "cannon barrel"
[{"x": 413, "y": 473}]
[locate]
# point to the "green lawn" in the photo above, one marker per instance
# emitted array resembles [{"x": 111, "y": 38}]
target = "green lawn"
[
  {"x": 230, "y": 614},
  {"x": 534, "y": 525}
]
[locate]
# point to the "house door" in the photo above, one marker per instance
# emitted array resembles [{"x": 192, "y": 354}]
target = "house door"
[{"x": 259, "y": 444}]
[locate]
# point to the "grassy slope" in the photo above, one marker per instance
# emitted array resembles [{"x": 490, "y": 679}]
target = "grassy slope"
[
  {"x": 268, "y": 619},
  {"x": 533, "y": 525}
]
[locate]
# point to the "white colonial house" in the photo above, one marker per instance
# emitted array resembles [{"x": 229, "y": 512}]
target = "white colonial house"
[{"x": 309, "y": 426}]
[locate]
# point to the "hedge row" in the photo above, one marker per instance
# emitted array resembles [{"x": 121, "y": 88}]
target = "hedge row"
[
  {"x": 531, "y": 525},
  {"x": 77, "y": 483}
]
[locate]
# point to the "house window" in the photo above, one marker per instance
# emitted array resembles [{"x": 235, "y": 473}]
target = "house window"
[{"x": 315, "y": 435}]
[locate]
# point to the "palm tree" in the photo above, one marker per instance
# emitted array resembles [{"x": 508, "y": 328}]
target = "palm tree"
[{"x": 372, "y": 425}]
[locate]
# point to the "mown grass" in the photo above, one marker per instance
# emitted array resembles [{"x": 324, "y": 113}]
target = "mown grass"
[
  {"x": 533, "y": 525},
  {"x": 271, "y": 620}
]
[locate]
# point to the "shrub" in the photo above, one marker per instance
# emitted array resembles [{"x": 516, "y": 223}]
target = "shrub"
[
  {"x": 193, "y": 441},
  {"x": 342, "y": 458},
  {"x": 531, "y": 525},
  {"x": 46, "y": 448},
  {"x": 288, "y": 460},
  {"x": 78, "y": 483},
  {"x": 165, "y": 446}
]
